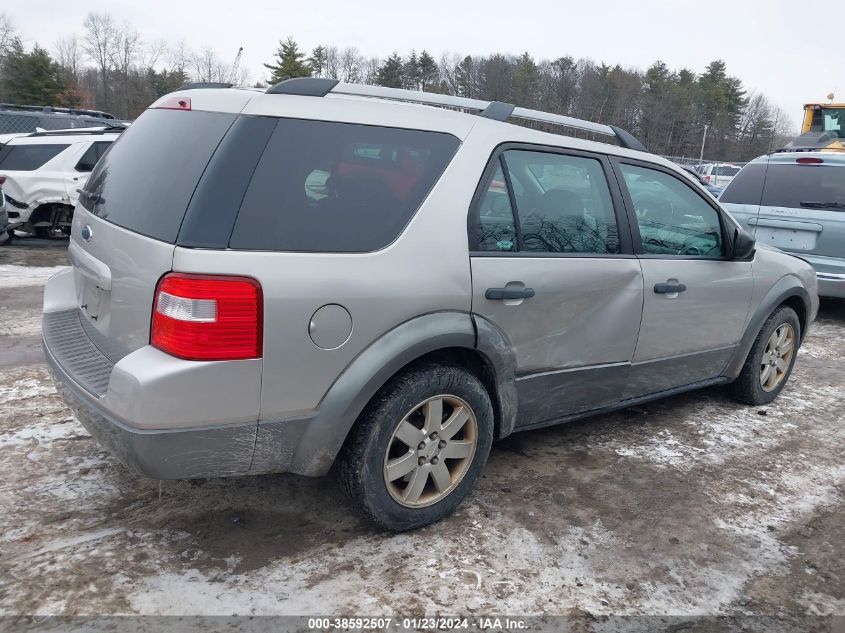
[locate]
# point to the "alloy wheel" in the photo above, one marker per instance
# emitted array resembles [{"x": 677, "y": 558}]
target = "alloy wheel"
[
  {"x": 777, "y": 357},
  {"x": 430, "y": 451}
]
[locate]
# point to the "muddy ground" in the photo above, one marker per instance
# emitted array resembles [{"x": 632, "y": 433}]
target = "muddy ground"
[{"x": 692, "y": 505}]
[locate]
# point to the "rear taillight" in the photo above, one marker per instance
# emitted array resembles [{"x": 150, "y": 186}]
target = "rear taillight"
[
  {"x": 2, "y": 179},
  {"x": 809, "y": 161},
  {"x": 707, "y": 178},
  {"x": 208, "y": 317}
]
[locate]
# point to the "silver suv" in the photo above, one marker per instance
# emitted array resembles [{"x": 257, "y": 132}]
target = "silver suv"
[{"x": 277, "y": 281}]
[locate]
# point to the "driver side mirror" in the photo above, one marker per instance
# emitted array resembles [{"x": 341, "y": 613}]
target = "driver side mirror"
[{"x": 743, "y": 246}]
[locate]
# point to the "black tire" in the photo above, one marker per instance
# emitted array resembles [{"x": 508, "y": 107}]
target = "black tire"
[
  {"x": 747, "y": 388},
  {"x": 362, "y": 460},
  {"x": 6, "y": 237}
]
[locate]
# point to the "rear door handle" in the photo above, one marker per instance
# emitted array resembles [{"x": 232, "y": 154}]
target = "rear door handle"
[
  {"x": 665, "y": 289},
  {"x": 502, "y": 294}
]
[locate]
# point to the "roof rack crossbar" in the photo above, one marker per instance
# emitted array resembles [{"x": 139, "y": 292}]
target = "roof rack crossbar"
[{"x": 489, "y": 109}]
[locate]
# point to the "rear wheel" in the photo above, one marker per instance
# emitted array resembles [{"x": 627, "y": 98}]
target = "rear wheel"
[
  {"x": 419, "y": 447},
  {"x": 770, "y": 360}
]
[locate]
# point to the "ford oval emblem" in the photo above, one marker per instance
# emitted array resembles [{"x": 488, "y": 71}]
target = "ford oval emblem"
[{"x": 86, "y": 233}]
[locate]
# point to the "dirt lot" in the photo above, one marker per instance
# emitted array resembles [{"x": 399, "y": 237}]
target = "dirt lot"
[{"x": 687, "y": 506}]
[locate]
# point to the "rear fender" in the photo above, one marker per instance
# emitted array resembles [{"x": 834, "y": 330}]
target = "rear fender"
[{"x": 308, "y": 445}]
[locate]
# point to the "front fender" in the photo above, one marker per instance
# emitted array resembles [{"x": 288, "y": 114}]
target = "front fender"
[
  {"x": 309, "y": 445},
  {"x": 786, "y": 287}
]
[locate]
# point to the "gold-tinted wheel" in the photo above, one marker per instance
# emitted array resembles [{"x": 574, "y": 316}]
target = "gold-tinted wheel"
[
  {"x": 777, "y": 357},
  {"x": 430, "y": 451}
]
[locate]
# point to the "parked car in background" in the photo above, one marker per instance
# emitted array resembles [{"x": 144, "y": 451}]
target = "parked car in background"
[
  {"x": 269, "y": 281},
  {"x": 41, "y": 172},
  {"x": 15, "y": 119},
  {"x": 719, "y": 174},
  {"x": 5, "y": 233},
  {"x": 712, "y": 189},
  {"x": 795, "y": 201}
]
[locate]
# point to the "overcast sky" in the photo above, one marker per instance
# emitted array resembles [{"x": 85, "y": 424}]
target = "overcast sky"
[{"x": 760, "y": 40}]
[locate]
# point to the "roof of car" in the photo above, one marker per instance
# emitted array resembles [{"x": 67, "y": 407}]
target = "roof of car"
[{"x": 369, "y": 107}]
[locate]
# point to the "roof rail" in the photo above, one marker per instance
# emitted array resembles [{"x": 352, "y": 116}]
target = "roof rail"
[
  {"x": 55, "y": 110},
  {"x": 197, "y": 85},
  {"x": 109, "y": 129},
  {"x": 496, "y": 110}
]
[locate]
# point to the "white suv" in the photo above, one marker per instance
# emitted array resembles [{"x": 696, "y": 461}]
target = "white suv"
[
  {"x": 718, "y": 174},
  {"x": 41, "y": 172}
]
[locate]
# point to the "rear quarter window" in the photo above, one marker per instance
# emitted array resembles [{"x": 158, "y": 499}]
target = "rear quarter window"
[
  {"x": 28, "y": 157},
  {"x": 747, "y": 185},
  {"x": 338, "y": 187}
]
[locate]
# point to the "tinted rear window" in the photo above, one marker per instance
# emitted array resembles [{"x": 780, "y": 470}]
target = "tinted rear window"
[
  {"x": 747, "y": 186},
  {"x": 146, "y": 179},
  {"x": 790, "y": 185},
  {"x": 28, "y": 157},
  {"x": 338, "y": 187}
]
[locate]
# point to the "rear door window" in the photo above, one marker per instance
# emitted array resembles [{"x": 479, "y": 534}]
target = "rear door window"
[
  {"x": 92, "y": 155},
  {"x": 144, "y": 182},
  {"x": 338, "y": 187},
  {"x": 28, "y": 157}
]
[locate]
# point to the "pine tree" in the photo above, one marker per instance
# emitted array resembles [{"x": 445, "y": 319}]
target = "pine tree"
[
  {"x": 317, "y": 61},
  {"x": 411, "y": 72},
  {"x": 31, "y": 78},
  {"x": 289, "y": 62},
  {"x": 390, "y": 72},
  {"x": 428, "y": 71}
]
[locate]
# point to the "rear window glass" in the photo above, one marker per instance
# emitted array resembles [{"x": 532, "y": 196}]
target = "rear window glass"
[
  {"x": 747, "y": 186},
  {"x": 338, "y": 187},
  {"x": 146, "y": 179},
  {"x": 28, "y": 157},
  {"x": 806, "y": 186}
]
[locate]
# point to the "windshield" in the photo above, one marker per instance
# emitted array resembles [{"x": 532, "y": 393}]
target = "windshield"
[{"x": 834, "y": 121}]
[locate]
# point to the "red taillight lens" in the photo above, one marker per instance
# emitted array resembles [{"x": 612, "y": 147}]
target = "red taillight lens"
[
  {"x": 707, "y": 178},
  {"x": 809, "y": 161},
  {"x": 208, "y": 317},
  {"x": 2, "y": 179},
  {"x": 175, "y": 103}
]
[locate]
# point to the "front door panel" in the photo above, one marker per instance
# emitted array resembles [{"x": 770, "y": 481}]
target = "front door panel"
[{"x": 688, "y": 337}]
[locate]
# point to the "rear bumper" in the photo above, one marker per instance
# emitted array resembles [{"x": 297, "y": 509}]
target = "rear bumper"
[
  {"x": 161, "y": 454},
  {"x": 831, "y": 284}
]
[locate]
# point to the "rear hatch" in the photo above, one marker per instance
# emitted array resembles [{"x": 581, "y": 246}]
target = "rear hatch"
[
  {"x": 128, "y": 219},
  {"x": 794, "y": 202}
]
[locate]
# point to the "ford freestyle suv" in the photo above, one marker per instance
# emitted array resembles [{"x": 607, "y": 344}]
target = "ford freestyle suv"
[
  {"x": 795, "y": 201},
  {"x": 276, "y": 281}
]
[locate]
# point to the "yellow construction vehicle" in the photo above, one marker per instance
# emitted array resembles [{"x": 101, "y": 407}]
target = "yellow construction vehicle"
[{"x": 823, "y": 127}]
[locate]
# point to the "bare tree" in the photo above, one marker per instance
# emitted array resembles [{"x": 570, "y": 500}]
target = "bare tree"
[
  {"x": 8, "y": 33},
  {"x": 98, "y": 43},
  {"x": 351, "y": 62}
]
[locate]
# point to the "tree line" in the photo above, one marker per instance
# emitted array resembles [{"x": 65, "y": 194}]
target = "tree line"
[{"x": 110, "y": 67}]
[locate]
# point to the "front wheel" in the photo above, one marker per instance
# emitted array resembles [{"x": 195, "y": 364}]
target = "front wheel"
[
  {"x": 771, "y": 359},
  {"x": 419, "y": 447}
]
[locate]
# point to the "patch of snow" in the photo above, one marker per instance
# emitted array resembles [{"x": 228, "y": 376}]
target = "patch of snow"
[{"x": 14, "y": 276}]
